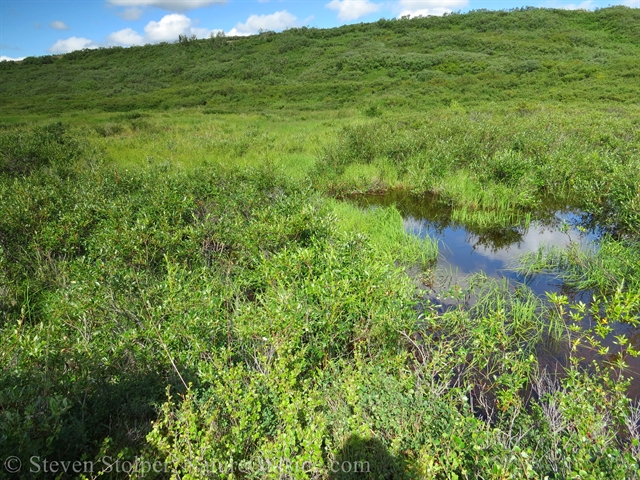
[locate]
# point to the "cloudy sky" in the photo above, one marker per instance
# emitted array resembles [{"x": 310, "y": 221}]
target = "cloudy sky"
[{"x": 41, "y": 27}]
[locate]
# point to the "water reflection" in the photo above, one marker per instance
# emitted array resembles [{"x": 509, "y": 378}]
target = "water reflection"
[{"x": 467, "y": 249}]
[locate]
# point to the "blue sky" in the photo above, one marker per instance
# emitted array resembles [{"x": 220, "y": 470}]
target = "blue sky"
[{"x": 41, "y": 27}]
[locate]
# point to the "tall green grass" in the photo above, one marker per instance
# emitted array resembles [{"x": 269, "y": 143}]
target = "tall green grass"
[
  {"x": 506, "y": 163},
  {"x": 384, "y": 228},
  {"x": 458, "y": 61}
]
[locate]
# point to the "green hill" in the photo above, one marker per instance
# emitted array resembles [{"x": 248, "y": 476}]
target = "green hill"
[{"x": 541, "y": 54}]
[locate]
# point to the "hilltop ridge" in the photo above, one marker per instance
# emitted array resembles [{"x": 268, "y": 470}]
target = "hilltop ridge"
[{"x": 525, "y": 54}]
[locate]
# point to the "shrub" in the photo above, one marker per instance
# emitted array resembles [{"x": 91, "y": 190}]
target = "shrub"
[{"x": 22, "y": 152}]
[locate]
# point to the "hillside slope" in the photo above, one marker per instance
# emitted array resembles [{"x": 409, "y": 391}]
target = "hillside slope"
[{"x": 526, "y": 54}]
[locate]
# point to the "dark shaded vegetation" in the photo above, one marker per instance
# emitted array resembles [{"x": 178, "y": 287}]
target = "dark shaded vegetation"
[
  {"x": 366, "y": 458},
  {"x": 24, "y": 151}
]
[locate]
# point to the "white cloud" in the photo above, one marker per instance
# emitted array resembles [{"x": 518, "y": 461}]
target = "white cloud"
[
  {"x": 4, "y": 58},
  {"x": 255, "y": 23},
  {"x": 353, "y": 9},
  {"x": 201, "y": 32},
  {"x": 171, "y": 5},
  {"x": 424, "y": 8},
  {"x": 71, "y": 44},
  {"x": 424, "y": 12},
  {"x": 586, "y": 5},
  {"x": 167, "y": 29},
  {"x": 170, "y": 27},
  {"x": 125, "y": 37},
  {"x": 58, "y": 25},
  {"x": 133, "y": 13},
  {"x": 37, "y": 25}
]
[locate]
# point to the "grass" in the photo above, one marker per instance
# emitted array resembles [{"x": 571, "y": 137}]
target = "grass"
[
  {"x": 604, "y": 268},
  {"x": 180, "y": 283},
  {"x": 189, "y": 140},
  {"x": 278, "y": 317},
  {"x": 383, "y": 227}
]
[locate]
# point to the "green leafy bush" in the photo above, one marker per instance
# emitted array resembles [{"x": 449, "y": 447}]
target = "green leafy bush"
[{"x": 21, "y": 152}]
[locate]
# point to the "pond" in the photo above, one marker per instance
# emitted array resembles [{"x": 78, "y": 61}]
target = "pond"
[{"x": 466, "y": 249}]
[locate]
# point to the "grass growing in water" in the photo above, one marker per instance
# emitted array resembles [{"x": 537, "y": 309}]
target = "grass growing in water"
[{"x": 384, "y": 228}]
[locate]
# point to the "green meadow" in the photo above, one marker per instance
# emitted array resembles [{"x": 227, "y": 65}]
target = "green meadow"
[{"x": 184, "y": 285}]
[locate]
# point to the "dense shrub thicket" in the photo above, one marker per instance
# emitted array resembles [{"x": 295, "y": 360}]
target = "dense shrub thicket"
[
  {"x": 231, "y": 321},
  {"x": 536, "y": 54}
]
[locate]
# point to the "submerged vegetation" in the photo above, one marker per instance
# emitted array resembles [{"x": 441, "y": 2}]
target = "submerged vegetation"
[{"x": 181, "y": 285}]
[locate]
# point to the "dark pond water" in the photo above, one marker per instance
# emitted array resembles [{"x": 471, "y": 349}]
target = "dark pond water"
[{"x": 465, "y": 250}]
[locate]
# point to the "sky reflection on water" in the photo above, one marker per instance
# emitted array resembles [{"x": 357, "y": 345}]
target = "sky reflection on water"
[{"x": 465, "y": 251}]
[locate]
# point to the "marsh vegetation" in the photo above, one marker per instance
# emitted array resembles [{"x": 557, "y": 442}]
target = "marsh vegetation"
[{"x": 185, "y": 277}]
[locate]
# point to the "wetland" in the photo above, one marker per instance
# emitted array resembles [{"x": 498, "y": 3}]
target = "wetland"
[{"x": 412, "y": 242}]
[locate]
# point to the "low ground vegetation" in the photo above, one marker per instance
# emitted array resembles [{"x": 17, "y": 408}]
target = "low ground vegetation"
[{"x": 185, "y": 286}]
